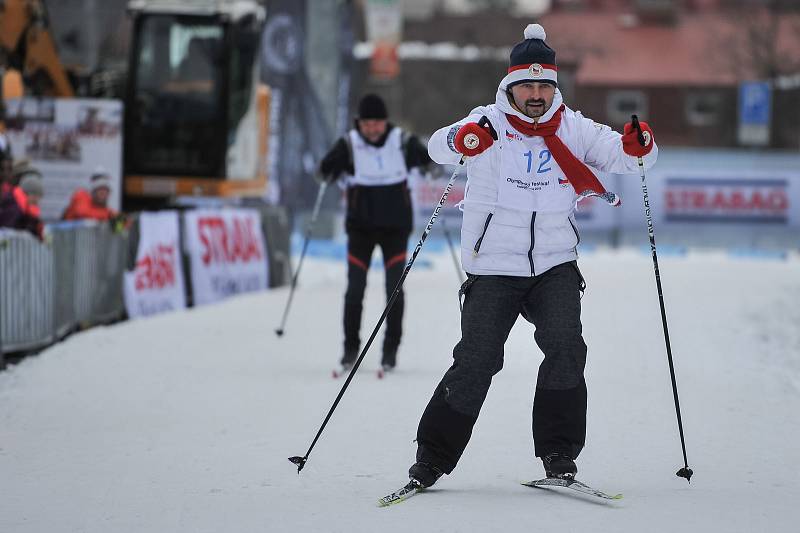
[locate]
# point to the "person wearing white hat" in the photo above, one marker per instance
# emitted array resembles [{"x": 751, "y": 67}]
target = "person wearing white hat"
[
  {"x": 92, "y": 204},
  {"x": 530, "y": 158}
]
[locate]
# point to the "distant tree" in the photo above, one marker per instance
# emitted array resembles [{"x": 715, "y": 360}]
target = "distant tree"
[{"x": 754, "y": 47}]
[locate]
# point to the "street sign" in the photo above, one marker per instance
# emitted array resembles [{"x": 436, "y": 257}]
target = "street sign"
[{"x": 755, "y": 106}]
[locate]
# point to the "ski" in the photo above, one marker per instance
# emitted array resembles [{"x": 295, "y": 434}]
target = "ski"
[
  {"x": 341, "y": 371},
  {"x": 336, "y": 373},
  {"x": 573, "y": 484},
  {"x": 401, "y": 495}
]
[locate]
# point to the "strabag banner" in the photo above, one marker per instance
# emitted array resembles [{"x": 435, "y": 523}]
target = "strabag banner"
[
  {"x": 227, "y": 253},
  {"x": 737, "y": 198},
  {"x": 67, "y": 140},
  {"x": 156, "y": 284}
]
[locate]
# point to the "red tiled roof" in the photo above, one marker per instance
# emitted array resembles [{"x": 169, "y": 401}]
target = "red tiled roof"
[{"x": 695, "y": 51}]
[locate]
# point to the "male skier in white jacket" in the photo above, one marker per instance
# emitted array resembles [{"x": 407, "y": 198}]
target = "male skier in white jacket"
[{"x": 518, "y": 246}]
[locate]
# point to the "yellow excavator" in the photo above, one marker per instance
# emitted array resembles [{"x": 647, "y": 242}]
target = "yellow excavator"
[
  {"x": 29, "y": 62},
  {"x": 196, "y": 114}
]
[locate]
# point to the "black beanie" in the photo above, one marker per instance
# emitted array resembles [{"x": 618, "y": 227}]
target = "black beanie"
[
  {"x": 372, "y": 106},
  {"x": 532, "y": 60}
]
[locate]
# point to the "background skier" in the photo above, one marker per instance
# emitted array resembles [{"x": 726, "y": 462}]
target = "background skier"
[{"x": 374, "y": 159}]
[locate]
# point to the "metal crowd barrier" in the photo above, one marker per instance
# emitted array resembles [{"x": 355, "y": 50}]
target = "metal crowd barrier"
[
  {"x": 277, "y": 230},
  {"x": 26, "y": 292},
  {"x": 75, "y": 278}
]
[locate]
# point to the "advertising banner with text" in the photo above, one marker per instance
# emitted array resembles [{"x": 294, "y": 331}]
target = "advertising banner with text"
[
  {"x": 156, "y": 284},
  {"x": 227, "y": 253}
]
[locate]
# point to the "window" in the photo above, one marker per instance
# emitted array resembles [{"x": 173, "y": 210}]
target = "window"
[
  {"x": 703, "y": 109},
  {"x": 622, "y": 104},
  {"x": 172, "y": 125}
]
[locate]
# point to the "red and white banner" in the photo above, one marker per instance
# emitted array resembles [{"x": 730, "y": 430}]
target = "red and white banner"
[
  {"x": 156, "y": 284},
  {"x": 738, "y": 199},
  {"x": 729, "y": 199},
  {"x": 226, "y": 251},
  {"x": 426, "y": 193}
]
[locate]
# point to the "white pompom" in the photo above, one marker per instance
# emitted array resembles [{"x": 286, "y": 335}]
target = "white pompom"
[{"x": 535, "y": 31}]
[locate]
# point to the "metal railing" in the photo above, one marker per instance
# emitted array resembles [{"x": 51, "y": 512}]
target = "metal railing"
[{"x": 74, "y": 279}]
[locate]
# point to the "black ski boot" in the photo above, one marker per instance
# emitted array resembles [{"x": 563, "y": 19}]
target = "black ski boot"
[
  {"x": 560, "y": 465},
  {"x": 389, "y": 359},
  {"x": 349, "y": 358},
  {"x": 425, "y": 474}
]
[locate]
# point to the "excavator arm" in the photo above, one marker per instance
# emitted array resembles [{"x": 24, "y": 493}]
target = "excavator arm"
[{"x": 27, "y": 45}]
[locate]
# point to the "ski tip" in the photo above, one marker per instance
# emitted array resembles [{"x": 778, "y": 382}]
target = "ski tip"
[
  {"x": 380, "y": 374},
  {"x": 400, "y": 495},
  {"x": 570, "y": 484}
]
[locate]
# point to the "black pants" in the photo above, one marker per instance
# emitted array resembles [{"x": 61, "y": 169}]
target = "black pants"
[
  {"x": 360, "y": 244},
  {"x": 550, "y": 301}
]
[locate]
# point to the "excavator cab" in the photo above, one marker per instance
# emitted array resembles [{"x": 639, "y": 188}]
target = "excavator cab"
[{"x": 196, "y": 115}]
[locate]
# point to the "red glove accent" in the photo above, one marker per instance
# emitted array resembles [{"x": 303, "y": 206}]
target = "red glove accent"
[
  {"x": 472, "y": 139},
  {"x": 630, "y": 140}
]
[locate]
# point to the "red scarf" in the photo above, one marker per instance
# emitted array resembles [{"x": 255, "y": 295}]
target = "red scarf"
[{"x": 577, "y": 173}]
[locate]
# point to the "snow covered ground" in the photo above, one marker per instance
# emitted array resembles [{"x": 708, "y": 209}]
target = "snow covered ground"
[{"x": 183, "y": 422}]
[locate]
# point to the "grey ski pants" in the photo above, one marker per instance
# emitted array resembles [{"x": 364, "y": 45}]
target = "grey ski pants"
[{"x": 492, "y": 304}]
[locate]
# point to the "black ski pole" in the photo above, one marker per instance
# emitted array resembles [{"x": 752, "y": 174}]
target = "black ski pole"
[
  {"x": 447, "y": 236},
  {"x": 472, "y": 141},
  {"x": 301, "y": 461},
  {"x": 684, "y": 472},
  {"x": 309, "y": 228}
]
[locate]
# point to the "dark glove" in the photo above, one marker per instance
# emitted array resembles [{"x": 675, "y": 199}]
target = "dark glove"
[{"x": 119, "y": 222}]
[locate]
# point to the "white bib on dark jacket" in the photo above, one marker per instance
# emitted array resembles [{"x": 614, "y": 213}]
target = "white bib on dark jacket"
[{"x": 377, "y": 165}]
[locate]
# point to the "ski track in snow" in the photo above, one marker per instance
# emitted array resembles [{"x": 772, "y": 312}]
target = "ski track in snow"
[{"x": 184, "y": 422}]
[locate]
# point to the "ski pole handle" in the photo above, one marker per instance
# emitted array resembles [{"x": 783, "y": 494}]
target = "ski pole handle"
[
  {"x": 483, "y": 122},
  {"x": 639, "y": 134}
]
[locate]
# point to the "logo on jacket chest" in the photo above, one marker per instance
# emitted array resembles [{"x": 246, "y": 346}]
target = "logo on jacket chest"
[
  {"x": 528, "y": 185},
  {"x": 513, "y": 136}
]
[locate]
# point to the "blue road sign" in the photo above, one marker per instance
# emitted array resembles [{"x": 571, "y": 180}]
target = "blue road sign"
[{"x": 754, "y": 103}]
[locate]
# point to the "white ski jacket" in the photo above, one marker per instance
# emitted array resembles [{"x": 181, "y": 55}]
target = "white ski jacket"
[{"x": 518, "y": 208}]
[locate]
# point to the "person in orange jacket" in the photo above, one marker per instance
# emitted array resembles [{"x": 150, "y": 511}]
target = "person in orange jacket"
[{"x": 91, "y": 204}]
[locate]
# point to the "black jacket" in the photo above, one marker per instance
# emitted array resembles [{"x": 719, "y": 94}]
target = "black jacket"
[{"x": 375, "y": 207}]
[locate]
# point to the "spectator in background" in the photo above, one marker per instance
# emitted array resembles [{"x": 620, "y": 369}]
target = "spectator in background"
[
  {"x": 19, "y": 204},
  {"x": 20, "y": 169},
  {"x": 92, "y": 204},
  {"x": 5, "y": 160}
]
